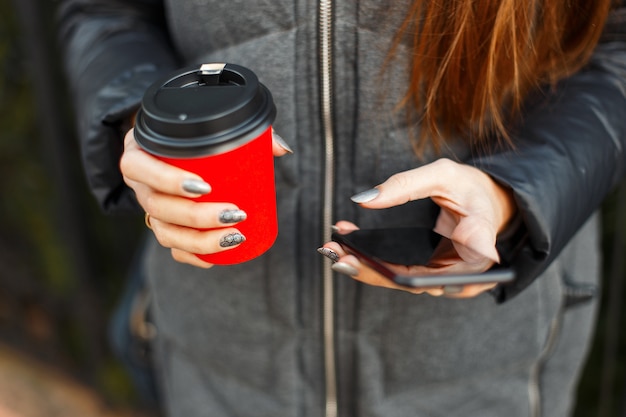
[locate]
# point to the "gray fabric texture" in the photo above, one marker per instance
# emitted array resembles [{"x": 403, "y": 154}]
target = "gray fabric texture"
[{"x": 251, "y": 345}]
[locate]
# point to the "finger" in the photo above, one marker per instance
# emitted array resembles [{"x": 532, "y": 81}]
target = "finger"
[
  {"x": 195, "y": 241},
  {"x": 474, "y": 239},
  {"x": 337, "y": 248},
  {"x": 467, "y": 291},
  {"x": 351, "y": 266},
  {"x": 434, "y": 292},
  {"x": 138, "y": 166},
  {"x": 189, "y": 258},
  {"x": 332, "y": 251},
  {"x": 279, "y": 146},
  {"x": 344, "y": 226},
  {"x": 436, "y": 179},
  {"x": 189, "y": 213}
]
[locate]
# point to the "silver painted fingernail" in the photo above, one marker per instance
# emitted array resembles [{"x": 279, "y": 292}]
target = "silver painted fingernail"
[
  {"x": 334, "y": 228},
  {"x": 452, "y": 289},
  {"x": 345, "y": 269},
  {"x": 329, "y": 253},
  {"x": 196, "y": 186},
  {"x": 232, "y": 216},
  {"x": 365, "y": 196},
  {"x": 281, "y": 142},
  {"x": 232, "y": 239}
]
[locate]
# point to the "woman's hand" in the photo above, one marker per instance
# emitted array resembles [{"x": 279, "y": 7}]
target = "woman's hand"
[
  {"x": 165, "y": 192},
  {"x": 474, "y": 209}
]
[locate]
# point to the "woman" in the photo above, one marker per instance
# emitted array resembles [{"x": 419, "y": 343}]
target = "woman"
[{"x": 510, "y": 142}]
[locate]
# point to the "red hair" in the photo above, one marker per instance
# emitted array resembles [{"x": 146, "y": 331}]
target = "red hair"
[{"x": 474, "y": 62}]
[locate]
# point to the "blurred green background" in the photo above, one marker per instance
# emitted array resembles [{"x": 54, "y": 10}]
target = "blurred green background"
[{"x": 63, "y": 264}]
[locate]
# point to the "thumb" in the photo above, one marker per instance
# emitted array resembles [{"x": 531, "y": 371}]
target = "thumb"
[{"x": 475, "y": 240}]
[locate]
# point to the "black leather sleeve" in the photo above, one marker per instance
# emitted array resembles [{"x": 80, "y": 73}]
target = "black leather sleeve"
[
  {"x": 113, "y": 50},
  {"x": 569, "y": 156}
]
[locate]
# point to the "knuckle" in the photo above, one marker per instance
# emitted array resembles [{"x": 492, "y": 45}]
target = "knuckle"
[
  {"x": 196, "y": 216},
  {"x": 189, "y": 258},
  {"x": 399, "y": 180},
  {"x": 163, "y": 239},
  {"x": 444, "y": 162},
  {"x": 150, "y": 205},
  {"x": 447, "y": 166},
  {"x": 190, "y": 216},
  {"x": 178, "y": 256},
  {"x": 402, "y": 184},
  {"x": 125, "y": 165},
  {"x": 201, "y": 246},
  {"x": 127, "y": 162},
  {"x": 199, "y": 241},
  {"x": 123, "y": 162}
]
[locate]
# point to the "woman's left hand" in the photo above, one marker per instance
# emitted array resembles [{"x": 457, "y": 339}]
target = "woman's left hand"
[{"x": 474, "y": 209}]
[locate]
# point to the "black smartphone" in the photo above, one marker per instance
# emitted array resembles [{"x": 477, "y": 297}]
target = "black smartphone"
[{"x": 410, "y": 246}]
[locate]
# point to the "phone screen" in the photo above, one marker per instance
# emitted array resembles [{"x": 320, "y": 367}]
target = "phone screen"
[{"x": 380, "y": 249}]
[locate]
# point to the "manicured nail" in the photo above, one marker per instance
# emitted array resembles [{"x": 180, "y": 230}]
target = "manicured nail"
[
  {"x": 281, "y": 142},
  {"x": 334, "y": 228},
  {"x": 196, "y": 187},
  {"x": 329, "y": 253},
  {"x": 365, "y": 196},
  {"x": 232, "y": 239},
  {"x": 232, "y": 216},
  {"x": 345, "y": 269},
  {"x": 452, "y": 289}
]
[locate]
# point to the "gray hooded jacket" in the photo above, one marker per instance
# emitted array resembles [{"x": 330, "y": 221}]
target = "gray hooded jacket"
[{"x": 280, "y": 335}]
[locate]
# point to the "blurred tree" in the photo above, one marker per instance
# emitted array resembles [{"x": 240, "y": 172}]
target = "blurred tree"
[
  {"x": 62, "y": 263},
  {"x": 602, "y": 391}
]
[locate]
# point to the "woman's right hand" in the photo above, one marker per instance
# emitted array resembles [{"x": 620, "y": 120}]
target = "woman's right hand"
[{"x": 165, "y": 192}]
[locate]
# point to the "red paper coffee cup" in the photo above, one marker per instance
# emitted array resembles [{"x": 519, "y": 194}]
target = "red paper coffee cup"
[{"x": 215, "y": 120}]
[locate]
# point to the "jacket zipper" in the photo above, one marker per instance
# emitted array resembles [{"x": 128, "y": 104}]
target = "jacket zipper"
[
  {"x": 534, "y": 388},
  {"x": 326, "y": 106}
]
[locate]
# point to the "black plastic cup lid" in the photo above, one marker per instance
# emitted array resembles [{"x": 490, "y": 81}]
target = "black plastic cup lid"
[{"x": 201, "y": 111}]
